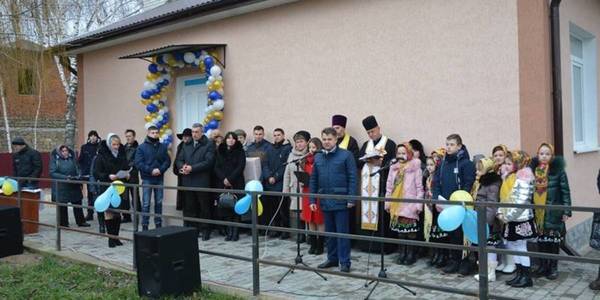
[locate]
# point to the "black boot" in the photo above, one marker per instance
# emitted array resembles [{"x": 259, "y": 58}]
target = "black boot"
[
  {"x": 206, "y": 234},
  {"x": 552, "y": 273},
  {"x": 468, "y": 264},
  {"x": 524, "y": 280},
  {"x": 109, "y": 230},
  {"x": 401, "y": 254},
  {"x": 453, "y": 262},
  {"x": 434, "y": 257},
  {"x": 442, "y": 258},
  {"x": 518, "y": 274},
  {"x": 235, "y": 235},
  {"x": 541, "y": 268},
  {"x": 313, "y": 244},
  {"x": 228, "y": 234},
  {"x": 101, "y": 223},
  {"x": 117, "y": 229},
  {"x": 319, "y": 241},
  {"x": 411, "y": 255}
]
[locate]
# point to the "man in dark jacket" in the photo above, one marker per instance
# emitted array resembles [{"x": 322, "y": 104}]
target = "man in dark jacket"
[
  {"x": 195, "y": 163},
  {"x": 456, "y": 172},
  {"x": 87, "y": 153},
  {"x": 260, "y": 146},
  {"x": 152, "y": 160},
  {"x": 334, "y": 172},
  {"x": 27, "y": 162},
  {"x": 344, "y": 140},
  {"x": 272, "y": 171},
  {"x": 131, "y": 146}
]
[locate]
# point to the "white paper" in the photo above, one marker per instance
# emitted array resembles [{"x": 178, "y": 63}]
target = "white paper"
[{"x": 123, "y": 174}]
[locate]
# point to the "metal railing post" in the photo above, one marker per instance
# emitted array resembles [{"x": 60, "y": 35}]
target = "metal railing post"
[
  {"x": 255, "y": 265},
  {"x": 482, "y": 245},
  {"x": 58, "y": 248},
  {"x": 134, "y": 199}
]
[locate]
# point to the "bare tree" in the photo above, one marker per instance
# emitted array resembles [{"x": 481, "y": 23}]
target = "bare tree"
[{"x": 50, "y": 22}]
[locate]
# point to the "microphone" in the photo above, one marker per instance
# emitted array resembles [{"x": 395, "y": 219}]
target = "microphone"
[{"x": 393, "y": 161}]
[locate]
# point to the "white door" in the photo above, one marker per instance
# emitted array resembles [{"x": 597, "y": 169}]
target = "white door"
[{"x": 191, "y": 97}]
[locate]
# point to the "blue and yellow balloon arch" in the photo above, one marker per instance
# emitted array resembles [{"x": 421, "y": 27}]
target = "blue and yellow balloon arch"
[{"x": 154, "y": 94}]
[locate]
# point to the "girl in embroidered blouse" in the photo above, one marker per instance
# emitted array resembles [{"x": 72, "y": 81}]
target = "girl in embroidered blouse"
[
  {"x": 517, "y": 188},
  {"x": 405, "y": 181}
]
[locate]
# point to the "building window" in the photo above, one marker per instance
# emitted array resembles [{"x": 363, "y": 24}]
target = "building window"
[
  {"x": 584, "y": 92},
  {"x": 27, "y": 82}
]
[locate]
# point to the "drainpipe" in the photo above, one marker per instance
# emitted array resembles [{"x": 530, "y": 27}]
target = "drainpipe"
[{"x": 557, "y": 115}]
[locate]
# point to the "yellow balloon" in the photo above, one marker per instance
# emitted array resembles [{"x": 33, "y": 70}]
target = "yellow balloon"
[
  {"x": 260, "y": 207},
  {"x": 211, "y": 87},
  {"x": 462, "y": 196},
  {"x": 7, "y": 188},
  {"x": 149, "y": 76},
  {"x": 218, "y": 115},
  {"x": 148, "y": 118},
  {"x": 217, "y": 84},
  {"x": 119, "y": 187}
]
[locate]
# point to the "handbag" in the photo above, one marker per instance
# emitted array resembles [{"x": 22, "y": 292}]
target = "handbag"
[
  {"x": 227, "y": 200},
  {"x": 595, "y": 234}
]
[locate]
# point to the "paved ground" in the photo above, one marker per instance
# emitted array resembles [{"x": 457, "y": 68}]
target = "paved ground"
[{"x": 572, "y": 283}]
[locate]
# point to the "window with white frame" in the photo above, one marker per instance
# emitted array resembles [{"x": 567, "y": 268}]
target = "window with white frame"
[{"x": 584, "y": 95}]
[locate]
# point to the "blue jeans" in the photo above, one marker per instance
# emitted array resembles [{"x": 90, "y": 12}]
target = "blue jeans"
[
  {"x": 158, "y": 198},
  {"x": 338, "y": 250}
]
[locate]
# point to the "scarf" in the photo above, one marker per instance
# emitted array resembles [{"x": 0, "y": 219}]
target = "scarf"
[
  {"x": 506, "y": 188},
  {"x": 345, "y": 142},
  {"x": 487, "y": 165},
  {"x": 398, "y": 192},
  {"x": 541, "y": 187}
]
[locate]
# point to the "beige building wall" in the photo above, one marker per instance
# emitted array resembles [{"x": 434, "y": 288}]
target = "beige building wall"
[
  {"x": 581, "y": 167},
  {"x": 423, "y": 68}
]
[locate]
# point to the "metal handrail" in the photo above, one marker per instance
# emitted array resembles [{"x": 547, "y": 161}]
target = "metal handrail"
[{"x": 482, "y": 249}]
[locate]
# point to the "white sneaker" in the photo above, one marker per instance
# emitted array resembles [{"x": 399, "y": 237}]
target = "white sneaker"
[{"x": 510, "y": 266}]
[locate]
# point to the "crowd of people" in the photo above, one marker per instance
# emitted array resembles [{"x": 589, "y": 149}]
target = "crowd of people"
[{"x": 335, "y": 165}]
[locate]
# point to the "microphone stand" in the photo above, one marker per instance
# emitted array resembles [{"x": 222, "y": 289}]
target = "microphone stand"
[
  {"x": 298, "y": 259},
  {"x": 381, "y": 232}
]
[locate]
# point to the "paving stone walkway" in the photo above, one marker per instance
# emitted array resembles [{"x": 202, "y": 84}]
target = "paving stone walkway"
[{"x": 572, "y": 283}]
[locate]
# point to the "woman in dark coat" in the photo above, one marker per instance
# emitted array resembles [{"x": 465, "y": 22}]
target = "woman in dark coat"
[
  {"x": 111, "y": 159},
  {"x": 63, "y": 166},
  {"x": 229, "y": 173},
  {"x": 551, "y": 188}
]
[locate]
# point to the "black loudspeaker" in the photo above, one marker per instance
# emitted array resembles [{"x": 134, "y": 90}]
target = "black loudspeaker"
[
  {"x": 11, "y": 231},
  {"x": 167, "y": 261}
]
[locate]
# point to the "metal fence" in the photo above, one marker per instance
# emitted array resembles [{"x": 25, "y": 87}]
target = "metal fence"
[{"x": 481, "y": 249}]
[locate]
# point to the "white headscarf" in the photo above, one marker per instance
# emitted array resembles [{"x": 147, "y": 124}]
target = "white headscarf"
[{"x": 115, "y": 153}]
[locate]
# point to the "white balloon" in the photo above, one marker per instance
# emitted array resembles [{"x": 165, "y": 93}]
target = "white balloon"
[
  {"x": 169, "y": 132},
  {"x": 159, "y": 118},
  {"x": 148, "y": 125},
  {"x": 215, "y": 71},
  {"x": 197, "y": 61},
  {"x": 155, "y": 102},
  {"x": 219, "y": 77},
  {"x": 161, "y": 112},
  {"x": 165, "y": 109},
  {"x": 208, "y": 132},
  {"x": 211, "y": 78},
  {"x": 219, "y": 104},
  {"x": 208, "y": 108},
  {"x": 147, "y": 85},
  {"x": 189, "y": 57},
  {"x": 221, "y": 91}
]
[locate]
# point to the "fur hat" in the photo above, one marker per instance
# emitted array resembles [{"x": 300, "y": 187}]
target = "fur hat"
[
  {"x": 369, "y": 122},
  {"x": 339, "y": 120}
]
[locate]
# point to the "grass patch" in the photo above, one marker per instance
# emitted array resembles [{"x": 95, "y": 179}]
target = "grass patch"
[{"x": 49, "y": 277}]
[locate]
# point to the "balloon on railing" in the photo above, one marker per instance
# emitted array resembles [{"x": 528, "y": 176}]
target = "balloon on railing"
[
  {"x": 462, "y": 196},
  {"x": 243, "y": 205},
  {"x": 451, "y": 217},
  {"x": 115, "y": 199},
  {"x": 119, "y": 187},
  {"x": 102, "y": 202},
  {"x": 9, "y": 186},
  {"x": 469, "y": 227}
]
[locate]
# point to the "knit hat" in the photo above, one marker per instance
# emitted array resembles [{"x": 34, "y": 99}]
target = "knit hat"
[
  {"x": 18, "y": 141},
  {"x": 339, "y": 120},
  {"x": 302, "y": 134},
  {"x": 369, "y": 123}
]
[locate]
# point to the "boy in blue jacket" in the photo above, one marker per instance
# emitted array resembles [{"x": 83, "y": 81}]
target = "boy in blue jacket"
[{"x": 456, "y": 172}]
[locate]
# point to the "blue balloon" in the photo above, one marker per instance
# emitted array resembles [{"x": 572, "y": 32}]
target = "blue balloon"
[
  {"x": 253, "y": 186},
  {"x": 179, "y": 56},
  {"x": 160, "y": 60},
  {"x": 13, "y": 183},
  {"x": 451, "y": 217},
  {"x": 156, "y": 91},
  {"x": 243, "y": 205},
  {"x": 214, "y": 95},
  {"x": 145, "y": 94},
  {"x": 208, "y": 63},
  {"x": 469, "y": 226},
  {"x": 197, "y": 54},
  {"x": 2, "y": 180},
  {"x": 151, "y": 108},
  {"x": 153, "y": 68},
  {"x": 165, "y": 82},
  {"x": 213, "y": 124},
  {"x": 102, "y": 202}
]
